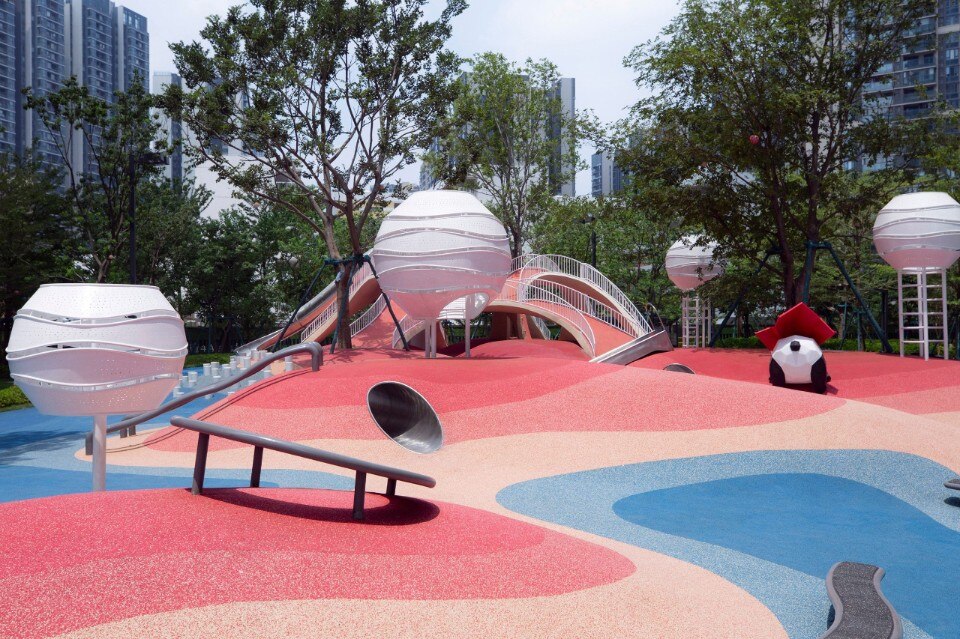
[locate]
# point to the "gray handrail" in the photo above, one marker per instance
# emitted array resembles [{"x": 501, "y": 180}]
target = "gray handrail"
[
  {"x": 300, "y": 450},
  {"x": 260, "y": 442},
  {"x": 316, "y": 360}
]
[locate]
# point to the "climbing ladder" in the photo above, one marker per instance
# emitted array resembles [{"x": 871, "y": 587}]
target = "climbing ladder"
[
  {"x": 923, "y": 317},
  {"x": 694, "y": 321}
]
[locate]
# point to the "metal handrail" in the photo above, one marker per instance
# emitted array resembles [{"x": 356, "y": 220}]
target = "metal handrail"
[
  {"x": 541, "y": 325},
  {"x": 260, "y": 442},
  {"x": 361, "y": 277},
  {"x": 538, "y": 295},
  {"x": 407, "y": 324},
  {"x": 589, "y": 306},
  {"x": 316, "y": 360},
  {"x": 369, "y": 316},
  {"x": 575, "y": 268}
]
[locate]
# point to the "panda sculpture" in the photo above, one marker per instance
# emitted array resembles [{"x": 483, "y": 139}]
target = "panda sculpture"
[{"x": 794, "y": 343}]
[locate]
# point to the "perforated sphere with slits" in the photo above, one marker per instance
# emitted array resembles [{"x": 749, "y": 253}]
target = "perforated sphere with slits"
[
  {"x": 96, "y": 349},
  {"x": 919, "y": 231},
  {"x": 437, "y": 247},
  {"x": 689, "y": 266}
]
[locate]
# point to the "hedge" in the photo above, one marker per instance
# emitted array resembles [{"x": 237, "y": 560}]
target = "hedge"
[{"x": 12, "y": 397}]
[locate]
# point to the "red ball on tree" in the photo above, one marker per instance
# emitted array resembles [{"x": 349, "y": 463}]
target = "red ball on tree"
[{"x": 754, "y": 139}]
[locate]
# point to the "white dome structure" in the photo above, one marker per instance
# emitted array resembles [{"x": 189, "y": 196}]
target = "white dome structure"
[
  {"x": 96, "y": 349},
  {"x": 689, "y": 266},
  {"x": 919, "y": 231},
  {"x": 437, "y": 247}
]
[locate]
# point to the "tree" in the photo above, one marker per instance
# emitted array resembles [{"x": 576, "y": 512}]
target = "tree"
[
  {"x": 321, "y": 102},
  {"x": 168, "y": 226},
  {"x": 630, "y": 247},
  {"x": 759, "y": 106},
  {"x": 507, "y": 135},
  {"x": 36, "y": 245},
  {"x": 99, "y": 183},
  {"x": 225, "y": 284}
]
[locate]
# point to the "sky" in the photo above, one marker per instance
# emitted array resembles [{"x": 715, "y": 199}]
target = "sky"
[{"x": 586, "y": 39}]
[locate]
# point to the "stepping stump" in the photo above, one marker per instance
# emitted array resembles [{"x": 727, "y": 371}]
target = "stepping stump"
[{"x": 859, "y": 610}]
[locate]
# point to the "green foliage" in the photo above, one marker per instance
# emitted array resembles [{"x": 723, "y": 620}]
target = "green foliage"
[
  {"x": 494, "y": 139},
  {"x": 35, "y": 246},
  {"x": 757, "y": 108},
  {"x": 99, "y": 184},
  {"x": 12, "y": 397},
  {"x": 194, "y": 361}
]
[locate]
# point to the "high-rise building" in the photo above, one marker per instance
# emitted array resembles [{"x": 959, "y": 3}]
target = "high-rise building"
[
  {"x": 9, "y": 81},
  {"x": 107, "y": 46},
  {"x": 175, "y": 170},
  {"x": 32, "y": 57},
  {"x": 926, "y": 71},
  {"x": 606, "y": 178},
  {"x": 132, "y": 46},
  {"x": 563, "y": 179}
]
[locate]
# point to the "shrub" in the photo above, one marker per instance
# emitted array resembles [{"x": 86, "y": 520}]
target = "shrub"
[
  {"x": 205, "y": 358},
  {"x": 12, "y": 397}
]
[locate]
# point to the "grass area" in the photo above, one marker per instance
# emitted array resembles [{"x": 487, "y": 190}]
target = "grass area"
[
  {"x": 206, "y": 358},
  {"x": 11, "y": 397}
]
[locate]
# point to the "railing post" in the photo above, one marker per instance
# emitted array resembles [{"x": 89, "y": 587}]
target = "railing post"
[
  {"x": 257, "y": 465},
  {"x": 359, "y": 492},
  {"x": 391, "y": 487},
  {"x": 200, "y": 466}
]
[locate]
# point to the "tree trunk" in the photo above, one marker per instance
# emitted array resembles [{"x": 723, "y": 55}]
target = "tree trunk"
[{"x": 343, "y": 306}]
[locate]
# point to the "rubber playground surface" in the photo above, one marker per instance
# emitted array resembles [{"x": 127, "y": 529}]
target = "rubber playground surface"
[{"x": 572, "y": 500}]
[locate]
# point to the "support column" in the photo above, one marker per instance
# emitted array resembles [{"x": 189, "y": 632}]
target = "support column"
[
  {"x": 99, "y": 453},
  {"x": 466, "y": 336}
]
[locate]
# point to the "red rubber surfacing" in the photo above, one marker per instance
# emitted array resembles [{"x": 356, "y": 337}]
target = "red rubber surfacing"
[
  {"x": 905, "y": 383},
  {"x": 122, "y": 554}
]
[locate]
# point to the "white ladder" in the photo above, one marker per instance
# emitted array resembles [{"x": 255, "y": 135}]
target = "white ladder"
[
  {"x": 694, "y": 321},
  {"x": 922, "y": 315}
]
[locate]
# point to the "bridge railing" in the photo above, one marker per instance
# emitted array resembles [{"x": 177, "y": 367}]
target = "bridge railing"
[
  {"x": 531, "y": 265},
  {"x": 361, "y": 277}
]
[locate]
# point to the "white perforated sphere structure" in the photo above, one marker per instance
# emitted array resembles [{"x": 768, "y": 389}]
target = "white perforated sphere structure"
[
  {"x": 440, "y": 246},
  {"x": 919, "y": 231},
  {"x": 96, "y": 349},
  {"x": 689, "y": 266}
]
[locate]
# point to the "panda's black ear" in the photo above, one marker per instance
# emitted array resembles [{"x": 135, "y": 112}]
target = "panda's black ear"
[
  {"x": 795, "y": 345},
  {"x": 777, "y": 378},
  {"x": 818, "y": 375}
]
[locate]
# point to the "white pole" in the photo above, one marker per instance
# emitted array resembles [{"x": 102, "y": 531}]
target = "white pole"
[
  {"x": 943, "y": 320},
  {"x": 466, "y": 335},
  {"x": 99, "y": 452}
]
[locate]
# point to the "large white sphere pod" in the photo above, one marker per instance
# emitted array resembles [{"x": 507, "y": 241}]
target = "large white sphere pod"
[
  {"x": 96, "y": 349},
  {"x": 918, "y": 231},
  {"x": 689, "y": 266},
  {"x": 437, "y": 247}
]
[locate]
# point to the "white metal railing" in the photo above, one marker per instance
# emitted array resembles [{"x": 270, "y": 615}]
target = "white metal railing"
[
  {"x": 409, "y": 326},
  {"x": 368, "y": 316},
  {"x": 550, "y": 297},
  {"x": 532, "y": 264},
  {"x": 587, "y": 305},
  {"x": 541, "y": 326},
  {"x": 361, "y": 277}
]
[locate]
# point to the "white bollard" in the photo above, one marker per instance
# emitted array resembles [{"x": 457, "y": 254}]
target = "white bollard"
[
  {"x": 206, "y": 370},
  {"x": 288, "y": 363},
  {"x": 192, "y": 378}
]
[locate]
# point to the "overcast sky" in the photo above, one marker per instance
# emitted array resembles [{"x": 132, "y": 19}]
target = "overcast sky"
[{"x": 586, "y": 39}]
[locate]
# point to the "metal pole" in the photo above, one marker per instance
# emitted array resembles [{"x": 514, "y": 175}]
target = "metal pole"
[
  {"x": 466, "y": 335},
  {"x": 856, "y": 293},
  {"x": 99, "y": 453},
  {"x": 593, "y": 248},
  {"x": 132, "y": 213}
]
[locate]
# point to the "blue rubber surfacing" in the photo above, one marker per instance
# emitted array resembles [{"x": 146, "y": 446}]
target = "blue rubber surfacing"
[{"x": 774, "y": 522}]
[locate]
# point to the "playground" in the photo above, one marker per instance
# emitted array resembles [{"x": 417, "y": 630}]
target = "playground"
[{"x": 571, "y": 475}]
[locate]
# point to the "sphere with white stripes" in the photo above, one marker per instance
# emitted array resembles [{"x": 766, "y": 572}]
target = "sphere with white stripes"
[
  {"x": 689, "y": 266},
  {"x": 96, "y": 349},
  {"x": 919, "y": 231},
  {"x": 437, "y": 247}
]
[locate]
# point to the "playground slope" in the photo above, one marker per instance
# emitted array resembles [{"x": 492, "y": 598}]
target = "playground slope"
[
  {"x": 454, "y": 561},
  {"x": 908, "y": 384}
]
